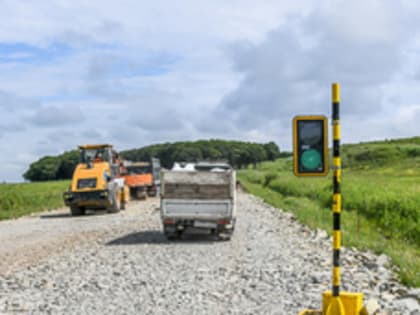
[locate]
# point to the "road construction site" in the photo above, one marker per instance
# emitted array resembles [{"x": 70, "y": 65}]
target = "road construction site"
[{"x": 121, "y": 263}]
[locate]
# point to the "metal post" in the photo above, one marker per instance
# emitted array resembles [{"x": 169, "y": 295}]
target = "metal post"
[
  {"x": 336, "y": 306},
  {"x": 337, "y": 188},
  {"x": 335, "y": 302}
]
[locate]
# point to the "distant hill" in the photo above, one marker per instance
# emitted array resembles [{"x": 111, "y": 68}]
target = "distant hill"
[
  {"x": 396, "y": 152},
  {"x": 238, "y": 153}
]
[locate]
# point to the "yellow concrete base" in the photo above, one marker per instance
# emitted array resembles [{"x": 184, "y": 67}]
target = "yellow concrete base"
[
  {"x": 348, "y": 303},
  {"x": 335, "y": 307}
]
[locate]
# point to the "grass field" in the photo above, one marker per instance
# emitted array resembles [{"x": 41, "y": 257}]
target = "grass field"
[
  {"x": 17, "y": 200},
  {"x": 381, "y": 199}
]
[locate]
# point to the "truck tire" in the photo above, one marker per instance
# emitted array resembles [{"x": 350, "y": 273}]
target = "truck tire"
[
  {"x": 152, "y": 192},
  {"x": 138, "y": 193},
  {"x": 173, "y": 235},
  {"x": 225, "y": 235},
  {"x": 77, "y": 211},
  {"x": 224, "y": 238}
]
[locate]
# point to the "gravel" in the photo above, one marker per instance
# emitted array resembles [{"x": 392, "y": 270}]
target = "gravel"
[{"x": 122, "y": 264}]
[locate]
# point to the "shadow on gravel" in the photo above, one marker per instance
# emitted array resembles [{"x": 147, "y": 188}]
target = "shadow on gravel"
[
  {"x": 55, "y": 216},
  {"x": 157, "y": 237},
  {"x": 67, "y": 215}
]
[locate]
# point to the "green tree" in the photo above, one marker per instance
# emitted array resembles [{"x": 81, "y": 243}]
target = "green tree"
[
  {"x": 44, "y": 169},
  {"x": 239, "y": 154},
  {"x": 272, "y": 151},
  {"x": 68, "y": 163}
]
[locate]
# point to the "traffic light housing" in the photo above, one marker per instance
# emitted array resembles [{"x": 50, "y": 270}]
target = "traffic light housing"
[{"x": 310, "y": 145}]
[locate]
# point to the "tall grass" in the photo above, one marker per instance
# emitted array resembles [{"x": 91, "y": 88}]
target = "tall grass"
[
  {"x": 381, "y": 199},
  {"x": 21, "y": 199}
]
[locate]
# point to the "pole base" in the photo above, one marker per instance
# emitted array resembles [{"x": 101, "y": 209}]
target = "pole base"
[
  {"x": 335, "y": 307},
  {"x": 348, "y": 303}
]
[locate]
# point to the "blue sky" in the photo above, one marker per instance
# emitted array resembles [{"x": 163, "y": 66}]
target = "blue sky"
[
  {"x": 134, "y": 73},
  {"x": 21, "y": 53}
]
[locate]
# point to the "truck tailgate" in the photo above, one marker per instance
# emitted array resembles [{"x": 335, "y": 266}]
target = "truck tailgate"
[{"x": 200, "y": 209}]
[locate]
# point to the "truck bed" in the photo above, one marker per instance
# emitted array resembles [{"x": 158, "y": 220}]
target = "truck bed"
[
  {"x": 198, "y": 200},
  {"x": 197, "y": 185},
  {"x": 199, "y": 209}
]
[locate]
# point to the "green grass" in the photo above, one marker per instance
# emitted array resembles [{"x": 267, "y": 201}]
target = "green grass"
[
  {"x": 17, "y": 200},
  {"x": 381, "y": 199}
]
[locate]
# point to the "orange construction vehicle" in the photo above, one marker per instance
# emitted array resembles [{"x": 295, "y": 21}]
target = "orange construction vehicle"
[{"x": 142, "y": 178}]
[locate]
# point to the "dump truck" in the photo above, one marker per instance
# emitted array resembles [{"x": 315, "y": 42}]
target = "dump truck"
[
  {"x": 142, "y": 178},
  {"x": 96, "y": 184},
  {"x": 198, "y": 199}
]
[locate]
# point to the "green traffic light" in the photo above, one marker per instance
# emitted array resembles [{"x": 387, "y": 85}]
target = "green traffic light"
[
  {"x": 310, "y": 145},
  {"x": 311, "y": 159}
]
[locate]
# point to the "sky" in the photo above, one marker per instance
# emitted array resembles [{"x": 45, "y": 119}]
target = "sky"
[{"x": 134, "y": 73}]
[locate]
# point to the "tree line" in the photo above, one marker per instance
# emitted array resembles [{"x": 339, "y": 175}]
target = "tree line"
[
  {"x": 239, "y": 154},
  {"x": 53, "y": 167}
]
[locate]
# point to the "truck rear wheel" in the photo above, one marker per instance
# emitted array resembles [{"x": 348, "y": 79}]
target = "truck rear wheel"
[
  {"x": 224, "y": 235},
  {"x": 172, "y": 236},
  {"x": 141, "y": 193},
  {"x": 77, "y": 211},
  {"x": 138, "y": 193},
  {"x": 152, "y": 191}
]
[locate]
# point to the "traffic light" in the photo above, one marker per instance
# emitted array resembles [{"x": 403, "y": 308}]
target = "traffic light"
[{"x": 310, "y": 145}]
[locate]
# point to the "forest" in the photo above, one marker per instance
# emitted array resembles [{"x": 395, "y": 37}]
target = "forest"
[{"x": 239, "y": 154}]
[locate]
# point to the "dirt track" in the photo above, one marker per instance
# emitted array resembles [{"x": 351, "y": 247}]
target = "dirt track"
[
  {"x": 30, "y": 239},
  {"x": 122, "y": 264}
]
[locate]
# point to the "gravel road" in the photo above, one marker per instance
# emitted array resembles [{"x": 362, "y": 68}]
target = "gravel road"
[{"x": 122, "y": 264}]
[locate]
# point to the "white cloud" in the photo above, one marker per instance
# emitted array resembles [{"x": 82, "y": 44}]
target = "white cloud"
[
  {"x": 360, "y": 44},
  {"x": 137, "y": 72},
  {"x": 54, "y": 116}
]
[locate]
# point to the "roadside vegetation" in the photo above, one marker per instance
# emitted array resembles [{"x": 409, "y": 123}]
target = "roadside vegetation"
[
  {"x": 17, "y": 200},
  {"x": 381, "y": 199}
]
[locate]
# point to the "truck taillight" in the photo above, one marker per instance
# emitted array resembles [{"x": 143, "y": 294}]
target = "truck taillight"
[
  {"x": 169, "y": 221},
  {"x": 223, "y": 222}
]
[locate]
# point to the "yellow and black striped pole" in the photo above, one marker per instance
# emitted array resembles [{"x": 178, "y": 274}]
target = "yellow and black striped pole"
[
  {"x": 337, "y": 188},
  {"x": 336, "y": 306}
]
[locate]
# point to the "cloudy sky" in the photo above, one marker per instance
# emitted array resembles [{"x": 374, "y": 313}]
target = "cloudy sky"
[{"x": 134, "y": 73}]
